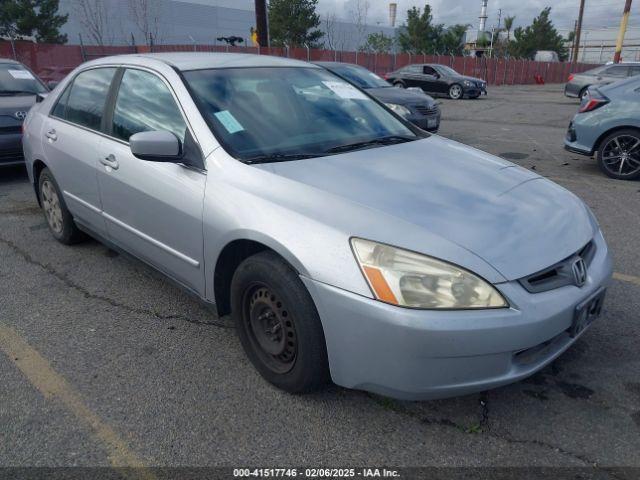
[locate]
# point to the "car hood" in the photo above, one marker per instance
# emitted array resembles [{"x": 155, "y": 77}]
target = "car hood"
[
  {"x": 400, "y": 96},
  {"x": 472, "y": 79},
  {"x": 16, "y": 103},
  {"x": 512, "y": 218}
]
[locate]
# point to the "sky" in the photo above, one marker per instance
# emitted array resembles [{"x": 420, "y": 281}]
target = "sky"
[{"x": 598, "y": 13}]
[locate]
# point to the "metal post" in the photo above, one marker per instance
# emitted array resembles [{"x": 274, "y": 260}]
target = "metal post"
[
  {"x": 623, "y": 29},
  {"x": 13, "y": 48},
  {"x": 601, "y": 52},
  {"x": 578, "y": 31},
  {"x": 82, "y": 54}
]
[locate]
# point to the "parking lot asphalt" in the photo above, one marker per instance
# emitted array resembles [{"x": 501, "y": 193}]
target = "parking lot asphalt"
[{"x": 104, "y": 362}]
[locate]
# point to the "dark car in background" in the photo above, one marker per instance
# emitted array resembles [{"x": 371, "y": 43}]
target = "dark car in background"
[
  {"x": 415, "y": 106},
  {"x": 578, "y": 83},
  {"x": 607, "y": 125},
  {"x": 18, "y": 89},
  {"x": 438, "y": 79}
]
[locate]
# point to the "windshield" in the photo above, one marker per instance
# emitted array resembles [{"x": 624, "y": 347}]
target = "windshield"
[
  {"x": 16, "y": 80},
  {"x": 279, "y": 113},
  {"x": 362, "y": 77},
  {"x": 447, "y": 70}
]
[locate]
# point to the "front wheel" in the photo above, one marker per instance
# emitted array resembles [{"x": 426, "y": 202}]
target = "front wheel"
[
  {"x": 455, "y": 92},
  {"x": 278, "y": 325},
  {"x": 619, "y": 154},
  {"x": 399, "y": 84}
]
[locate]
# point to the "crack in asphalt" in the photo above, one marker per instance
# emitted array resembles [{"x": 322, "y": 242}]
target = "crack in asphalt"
[
  {"x": 26, "y": 256},
  {"x": 483, "y": 428}
]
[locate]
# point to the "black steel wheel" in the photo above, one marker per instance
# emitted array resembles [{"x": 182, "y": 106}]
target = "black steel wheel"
[
  {"x": 278, "y": 324},
  {"x": 270, "y": 329},
  {"x": 619, "y": 154}
]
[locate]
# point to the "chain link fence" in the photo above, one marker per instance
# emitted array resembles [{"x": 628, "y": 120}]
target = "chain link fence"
[{"x": 53, "y": 62}]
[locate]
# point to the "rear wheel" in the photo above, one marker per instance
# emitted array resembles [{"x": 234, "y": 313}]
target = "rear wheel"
[
  {"x": 278, "y": 324},
  {"x": 619, "y": 154},
  {"x": 59, "y": 219},
  {"x": 399, "y": 84},
  {"x": 455, "y": 92}
]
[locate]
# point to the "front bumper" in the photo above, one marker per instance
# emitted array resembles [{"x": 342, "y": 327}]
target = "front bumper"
[
  {"x": 11, "y": 149},
  {"x": 572, "y": 90},
  {"x": 582, "y": 134},
  {"x": 474, "y": 91},
  {"x": 430, "y": 123},
  {"x": 420, "y": 354}
]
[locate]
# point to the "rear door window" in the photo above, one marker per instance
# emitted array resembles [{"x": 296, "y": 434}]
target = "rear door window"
[
  {"x": 83, "y": 102},
  {"x": 617, "y": 71}
]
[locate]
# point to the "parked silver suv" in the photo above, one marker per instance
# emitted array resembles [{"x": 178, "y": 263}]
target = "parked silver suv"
[
  {"x": 345, "y": 242},
  {"x": 579, "y": 83}
]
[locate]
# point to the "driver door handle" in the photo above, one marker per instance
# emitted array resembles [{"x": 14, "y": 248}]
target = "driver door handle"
[
  {"x": 110, "y": 161},
  {"x": 51, "y": 135}
]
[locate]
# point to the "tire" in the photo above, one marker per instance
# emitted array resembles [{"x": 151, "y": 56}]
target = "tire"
[
  {"x": 456, "y": 92},
  {"x": 59, "y": 219},
  {"x": 619, "y": 154},
  {"x": 399, "y": 84},
  {"x": 288, "y": 349}
]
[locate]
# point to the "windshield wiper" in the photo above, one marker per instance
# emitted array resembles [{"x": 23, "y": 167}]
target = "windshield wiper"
[
  {"x": 388, "y": 140},
  {"x": 281, "y": 157}
]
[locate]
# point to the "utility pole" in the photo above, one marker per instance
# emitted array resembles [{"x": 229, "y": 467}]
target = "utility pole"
[
  {"x": 578, "y": 31},
  {"x": 623, "y": 29},
  {"x": 262, "y": 24},
  {"x": 573, "y": 43}
]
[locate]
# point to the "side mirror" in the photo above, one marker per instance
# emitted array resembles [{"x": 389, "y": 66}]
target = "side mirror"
[
  {"x": 41, "y": 96},
  {"x": 157, "y": 146},
  {"x": 51, "y": 84}
]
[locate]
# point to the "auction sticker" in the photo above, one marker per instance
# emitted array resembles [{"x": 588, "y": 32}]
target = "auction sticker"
[
  {"x": 21, "y": 74},
  {"x": 345, "y": 90}
]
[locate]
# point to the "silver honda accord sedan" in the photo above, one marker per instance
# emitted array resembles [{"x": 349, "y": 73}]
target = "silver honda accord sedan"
[{"x": 347, "y": 244}]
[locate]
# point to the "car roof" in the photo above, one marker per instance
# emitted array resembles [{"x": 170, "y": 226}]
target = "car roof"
[{"x": 202, "y": 60}]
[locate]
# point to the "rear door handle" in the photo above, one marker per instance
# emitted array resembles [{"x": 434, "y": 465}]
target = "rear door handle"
[
  {"x": 51, "y": 135},
  {"x": 110, "y": 161}
]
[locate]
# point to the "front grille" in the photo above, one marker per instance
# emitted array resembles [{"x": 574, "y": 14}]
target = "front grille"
[
  {"x": 426, "y": 110},
  {"x": 560, "y": 274},
  {"x": 12, "y": 155},
  {"x": 11, "y": 129}
]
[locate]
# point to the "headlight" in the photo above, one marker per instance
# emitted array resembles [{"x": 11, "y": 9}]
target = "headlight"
[
  {"x": 408, "y": 279},
  {"x": 467, "y": 83},
  {"x": 399, "y": 109}
]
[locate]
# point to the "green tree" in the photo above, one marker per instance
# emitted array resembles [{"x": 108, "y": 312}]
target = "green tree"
[
  {"x": 540, "y": 35},
  {"x": 508, "y": 26},
  {"x": 415, "y": 35},
  {"x": 294, "y": 23},
  {"x": 420, "y": 35},
  {"x": 378, "y": 43},
  {"x": 32, "y": 18},
  {"x": 451, "y": 40}
]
